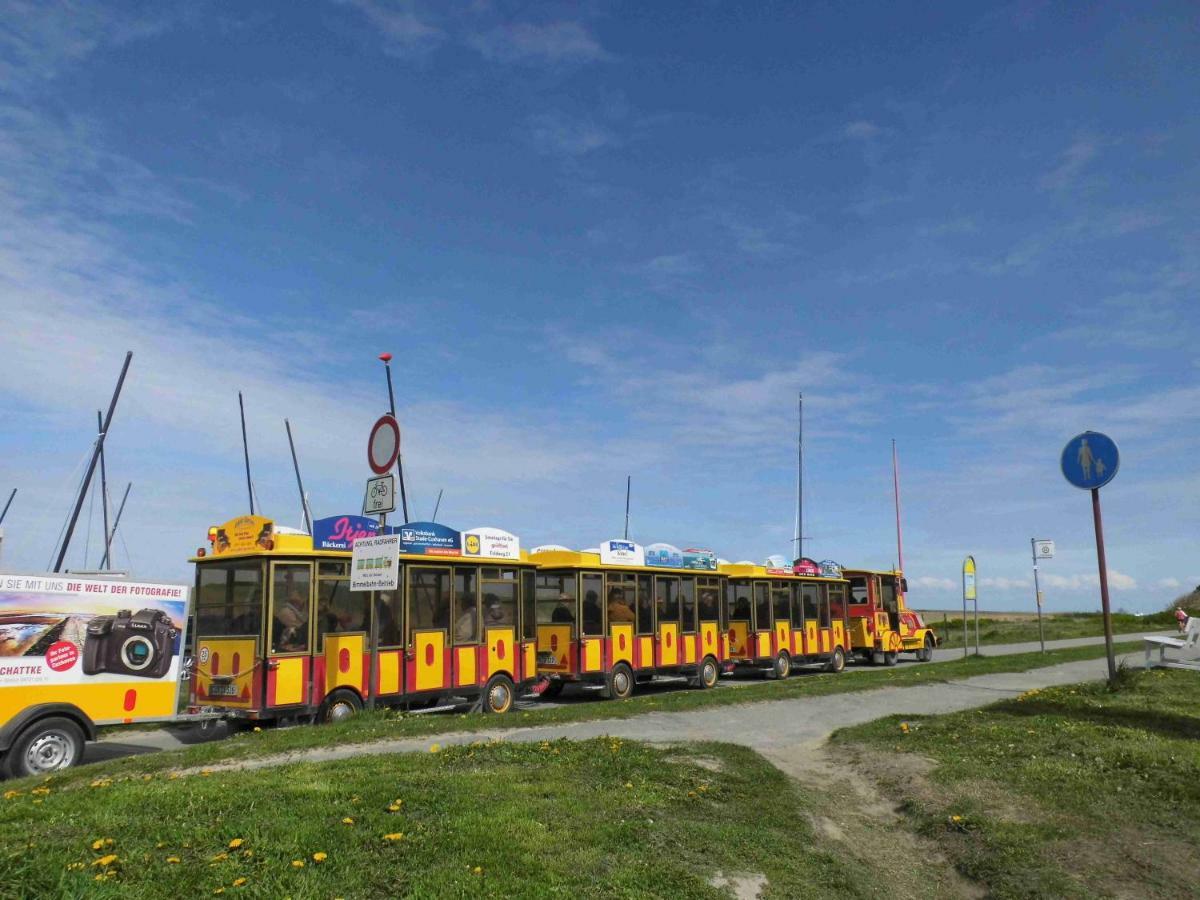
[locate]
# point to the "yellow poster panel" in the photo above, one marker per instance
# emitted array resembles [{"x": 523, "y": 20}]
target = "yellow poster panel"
[{"x": 245, "y": 533}]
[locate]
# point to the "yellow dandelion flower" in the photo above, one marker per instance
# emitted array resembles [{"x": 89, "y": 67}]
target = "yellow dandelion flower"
[
  {"x": 703, "y": 787},
  {"x": 206, "y": 772},
  {"x": 106, "y": 860},
  {"x": 173, "y": 860},
  {"x": 173, "y": 776},
  {"x": 257, "y": 728},
  {"x": 478, "y": 870},
  {"x": 347, "y": 821},
  {"x": 629, "y": 784},
  {"x": 76, "y": 866},
  {"x": 247, "y": 853},
  {"x": 956, "y": 819},
  {"x": 220, "y": 856},
  {"x": 99, "y": 877},
  {"x": 147, "y": 778},
  {"x": 434, "y": 748},
  {"x": 8, "y": 795},
  {"x": 238, "y": 882},
  {"x": 398, "y": 802},
  {"x": 394, "y": 836},
  {"x": 40, "y": 791},
  {"x": 219, "y": 891},
  {"x": 320, "y": 856},
  {"x": 904, "y": 727},
  {"x": 235, "y": 843},
  {"x": 393, "y": 808},
  {"x": 160, "y": 845},
  {"x": 297, "y": 864}
]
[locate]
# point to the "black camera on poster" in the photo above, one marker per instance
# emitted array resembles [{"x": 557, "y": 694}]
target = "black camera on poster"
[{"x": 128, "y": 644}]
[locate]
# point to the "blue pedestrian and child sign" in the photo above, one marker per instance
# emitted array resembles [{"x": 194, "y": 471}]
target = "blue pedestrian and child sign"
[{"x": 1090, "y": 460}]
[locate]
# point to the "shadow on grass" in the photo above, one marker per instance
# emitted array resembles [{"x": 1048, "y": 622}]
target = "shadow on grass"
[{"x": 1168, "y": 724}]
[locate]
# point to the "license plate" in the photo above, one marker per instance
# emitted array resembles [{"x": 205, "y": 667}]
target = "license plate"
[
  {"x": 223, "y": 690},
  {"x": 547, "y": 659}
]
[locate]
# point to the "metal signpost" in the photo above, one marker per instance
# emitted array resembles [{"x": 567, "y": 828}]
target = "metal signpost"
[
  {"x": 383, "y": 449},
  {"x": 969, "y": 593},
  {"x": 1041, "y": 550},
  {"x": 1090, "y": 461}
]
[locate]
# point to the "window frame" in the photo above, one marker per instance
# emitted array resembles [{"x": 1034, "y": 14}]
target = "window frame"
[
  {"x": 584, "y": 577},
  {"x": 410, "y": 617},
  {"x": 274, "y": 566},
  {"x": 228, "y": 604},
  {"x": 763, "y": 586}
]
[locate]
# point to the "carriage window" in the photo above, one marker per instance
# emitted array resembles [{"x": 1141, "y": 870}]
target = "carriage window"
[
  {"x": 229, "y": 599},
  {"x": 687, "y": 599},
  {"x": 622, "y": 596},
  {"x": 528, "y": 615},
  {"x": 797, "y": 606},
  {"x": 429, "y": 599},
  {"x": 645, "y": 604},
  {"x": 556, "y": 599},
  {"x": 762, "y": 607},
  {"x": 781, "y": 600},
  {"x": 837, "y": 601},
  {"x": 826, "y": 622},
  {"x": 499, "y": 598},
  {"x": 808, "y": 597},
  {"x": 858, "y": 590},
  {"x": 291, "y": 590},
  {"x": 887, "y": 594},
  {"x": 737, "y": 596},
  {"x": 340, "y": 610},
  {"x": 593, "y": 609},
  {"x": 709, "y": 592},
  {"x": 667, "y": 599},
  {"x": 466, "y": 607},
  {"x": 333, "y": 569},
  {"x": 389, "y": 606}
]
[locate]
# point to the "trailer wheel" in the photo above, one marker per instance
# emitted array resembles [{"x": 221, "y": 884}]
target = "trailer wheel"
[
  {"x": 338, "y": 706},
  {"x": 709, "y": 674},
  {"x": 925, "y": 654},
  {"x": 44, "y": 747},
  {"x": 498, "y": 694},
  {"x": 783, "y": 666},
  {"x": 837, "y": 662},
  {"x": 553, "y": 688},
  {"x": 618, "y": 684},
  {"x": 891, "y": 658}
]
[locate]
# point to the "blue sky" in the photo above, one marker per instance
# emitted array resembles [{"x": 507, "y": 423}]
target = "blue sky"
[{"x": 614, "y": 238}]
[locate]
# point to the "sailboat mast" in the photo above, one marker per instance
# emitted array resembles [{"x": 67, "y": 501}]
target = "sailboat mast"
[
  {"x": 896, "y": 491},
  {"x": 798, "y": 540}
]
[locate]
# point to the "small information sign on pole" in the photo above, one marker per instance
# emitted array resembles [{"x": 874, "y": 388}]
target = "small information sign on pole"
[
  {"x": 375, "y": 563},
  {"x": 969, "y": 593},
  {"x": 1041, "y": 550},
  {"x": 381, "y": 496},
  {"x": 1089, "y": 462}
]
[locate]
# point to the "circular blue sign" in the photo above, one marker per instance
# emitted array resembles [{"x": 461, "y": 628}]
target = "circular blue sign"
[{"x": 1090, "y": 460}]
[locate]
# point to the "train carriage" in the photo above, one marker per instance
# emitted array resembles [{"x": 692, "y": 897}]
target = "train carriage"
[
  {"x": 280, "y": 635},
  {"x": 616, "y": 616},
  {"x": 881, "y": 624}
]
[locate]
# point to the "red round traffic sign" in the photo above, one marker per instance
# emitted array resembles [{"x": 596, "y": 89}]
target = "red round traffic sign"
[{"x": 384, "y": 445}]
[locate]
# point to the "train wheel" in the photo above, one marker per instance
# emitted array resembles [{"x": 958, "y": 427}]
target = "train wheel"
[
  {"x": 44, "y": 747},
  {"x": 783, "y": 666},
  {"x": 498, "y": 695},
  {"x": 925, "y": 654},
  {"x": 553, "y": 689},
  {"x": 891, "y": 658},
  {"x": 338, "y": 706},
  {"x": 709, "y": 674},
  {"x": 837, "y": 662},
  {"x": 618, "y": 685}
]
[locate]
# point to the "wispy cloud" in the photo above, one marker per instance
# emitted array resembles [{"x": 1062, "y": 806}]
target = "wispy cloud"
[
  {"x": 562, "y": 135},
  {"x": 1071, "y": 164},
  {"x": 524, "y": 42},
  {"x": 405, "y": 33},
  {"x": 861, "y": 130}
]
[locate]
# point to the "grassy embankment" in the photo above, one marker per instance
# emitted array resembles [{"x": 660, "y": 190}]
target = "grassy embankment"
[
  {"x": 596, "y": 818},
  {"x": 383, "y": 725},
  {"x": 1057, "y": 627},
  {"x": 1064, "y": 792}
]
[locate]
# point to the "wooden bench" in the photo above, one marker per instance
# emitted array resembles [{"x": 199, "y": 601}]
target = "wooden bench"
[{"x": 1189, "y": 644}]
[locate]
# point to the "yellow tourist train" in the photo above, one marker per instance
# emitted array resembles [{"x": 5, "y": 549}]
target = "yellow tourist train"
[{"x": 280, "y": 635}]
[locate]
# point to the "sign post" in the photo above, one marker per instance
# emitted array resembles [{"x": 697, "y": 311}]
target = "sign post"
[
  {"x": 969, "y": 593},
  {"x": 1041, "y": 550},
  {"x": 383, "y": 447},
  {"x": 1089, "y": 462}
]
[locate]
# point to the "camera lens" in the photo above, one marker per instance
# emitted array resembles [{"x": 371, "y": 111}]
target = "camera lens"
[{"x": 137, "y": 653}]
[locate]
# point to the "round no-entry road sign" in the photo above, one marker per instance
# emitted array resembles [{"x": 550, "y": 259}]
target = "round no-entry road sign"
[
  {"x": 1090, "y": 460},
  {"x": 384, "y": 445}
]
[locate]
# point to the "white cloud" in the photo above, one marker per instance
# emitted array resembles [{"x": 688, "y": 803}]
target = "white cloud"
[
  {"x": 404, "y": 32},
  {"x": 556, "y": 133},
  {"x": 1169, "y": 584},
  {"x": 928, "y": 582},
  {"x": 524, "y": 42},
  {"x": 1005, "y": 584},
  {"x": 861, "y": 130},
  {"x": 1117, "y": 581},
  {"x": 1081, "y": 152}
]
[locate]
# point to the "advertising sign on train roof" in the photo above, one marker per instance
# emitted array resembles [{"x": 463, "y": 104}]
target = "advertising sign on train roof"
[
  {"x": 705, "y": 560},
  {"x": 428, "y": 538},
  {"x": 664, "y": 555},
  {"x": 491, "y": 543},
  {"x": 340, "y": 532},
  {"x": 243, "y": 534},
  {"x": 622, "y": 553}
]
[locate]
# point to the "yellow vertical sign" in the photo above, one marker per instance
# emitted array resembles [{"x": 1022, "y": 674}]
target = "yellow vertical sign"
[{"x": 969, "y": 578}]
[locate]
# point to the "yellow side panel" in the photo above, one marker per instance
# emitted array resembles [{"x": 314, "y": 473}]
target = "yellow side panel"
[
  {"x": 737, "y": 639},
  {"x": 557, "y": 640},
  {"x": 354, "y": 645},
  {"x": 826, "y": 640},
  {"x": 764, "y": 643},
  {"x": 839, "y": 635},
  {"x": 668, "y": 643},
  {"x": 225, "y": 649},
  {"x": 593, "y": 657},
  {"x": 464, "y": 665},
  {"x": 783, "y": 633},
  {"x": 430, "y": 650},
  {"x": 622, "y": 642},
  {"x": 858, "y": 634},
  {"x": 810, "y": 634},
  {"x": 689, "y": 648},
  {"x": 708, "y": 638},
  {"x": 389, "y": 673},
  {"x": 502, "y": 650},
  {"x": 289, "y": 680},
  {"x": 101, "y": 702},
  {"x": 646, "y": 651},
  {"x": 530, "y": 659}
]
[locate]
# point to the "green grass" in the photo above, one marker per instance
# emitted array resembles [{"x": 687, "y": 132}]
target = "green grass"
[
  {"x": 596, "y": 818},
  {"x": 1073, "y": 791},
  {"x": 1057, "y": 627},
  {"x": 383, "y": 725}
]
